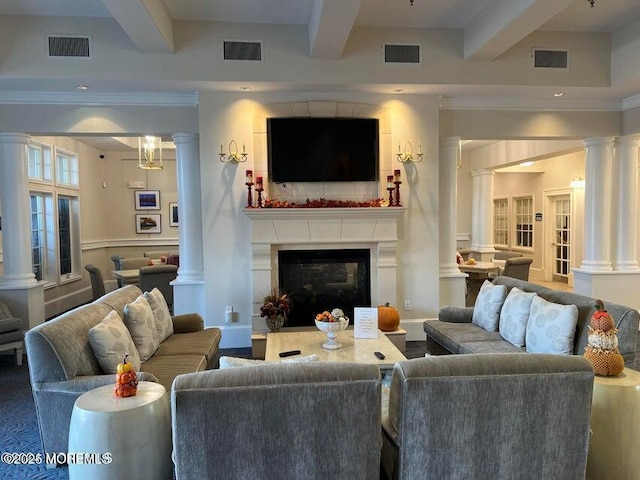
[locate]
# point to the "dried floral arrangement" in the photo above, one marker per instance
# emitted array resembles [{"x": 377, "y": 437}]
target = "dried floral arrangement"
[{"x": 324, "y": 203}]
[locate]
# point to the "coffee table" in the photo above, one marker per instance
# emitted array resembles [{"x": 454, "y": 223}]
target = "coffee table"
[{"x": 356, "y": 350}]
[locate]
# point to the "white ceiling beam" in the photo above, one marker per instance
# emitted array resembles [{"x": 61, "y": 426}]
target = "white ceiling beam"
[
  {"x": 330, "y": 25},
  {"x": 146, "y": 22},
  {"x": 503, "y": 23}
]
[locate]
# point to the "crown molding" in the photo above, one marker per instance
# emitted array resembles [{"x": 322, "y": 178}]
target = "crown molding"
[
  {"x": 58, "y": 98},
  {"x": 494, "y": 103}
]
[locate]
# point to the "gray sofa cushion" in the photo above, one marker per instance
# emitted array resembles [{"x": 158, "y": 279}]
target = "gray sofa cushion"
[
  {"x": 204, "y": 342},
  {"x": 451, "y": 335},
  {"x": 490, "y": 346},
  {"x": 166, "y": 368}
]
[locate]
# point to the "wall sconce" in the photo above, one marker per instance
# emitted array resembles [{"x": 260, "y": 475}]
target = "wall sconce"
[
  {"x": 234, "y": 156},
  {"x": 407, "y": 156},
  {"x": 150, "y": 153},
  {"x": 577, "y": 182}
]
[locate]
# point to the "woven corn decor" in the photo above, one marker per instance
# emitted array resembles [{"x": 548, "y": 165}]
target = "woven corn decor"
[{"x": 602, "y": 351}]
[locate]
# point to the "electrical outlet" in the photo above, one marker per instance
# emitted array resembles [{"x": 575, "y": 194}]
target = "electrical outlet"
[
  {"x": 228, "y": 314},
  {"x": 407, "y": 305}
]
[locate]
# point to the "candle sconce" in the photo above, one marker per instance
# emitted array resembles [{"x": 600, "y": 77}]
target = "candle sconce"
[
  {"x": 233, "y": 156},
  {"x": 407, "y": 155}
]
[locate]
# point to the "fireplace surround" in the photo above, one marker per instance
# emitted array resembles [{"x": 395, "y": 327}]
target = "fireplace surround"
[{"x": 375, "y": 229}]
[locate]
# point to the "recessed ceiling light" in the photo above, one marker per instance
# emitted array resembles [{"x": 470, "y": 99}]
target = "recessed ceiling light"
[
  {"x": 82, "y": 87},
  {"x": 245, "y": 89},
  {"x": 526, "y": 164},
  {"x": 558, "y": 94},
  {"x": 398, "y": 90}
]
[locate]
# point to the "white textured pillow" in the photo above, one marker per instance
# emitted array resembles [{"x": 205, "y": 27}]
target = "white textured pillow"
[
  {"x": 551, "y": 327},
  {"x": 110, "y": 341},
  {"x": 486, "y": 312},
  {"x": 161, "y": 314},
  {"x": 514, "y": 316},
  {"x": 138, "y": 317},
  {"x": 234, "y": 362}
]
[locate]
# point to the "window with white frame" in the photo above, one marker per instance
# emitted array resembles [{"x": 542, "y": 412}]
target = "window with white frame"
[
  {"x": 501, "y": 222},
  {"x": 66, "y": 168},
  {"x": 523, "y": 213},
  {"x": 39, "y": 162},
  {"x": 55, "y": 218}
]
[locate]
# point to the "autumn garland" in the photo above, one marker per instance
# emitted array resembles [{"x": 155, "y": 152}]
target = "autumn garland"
[{"x": 324, "y": 203}]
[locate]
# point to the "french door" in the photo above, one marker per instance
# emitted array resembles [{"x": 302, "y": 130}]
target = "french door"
[{"x": 561, "y": 245}]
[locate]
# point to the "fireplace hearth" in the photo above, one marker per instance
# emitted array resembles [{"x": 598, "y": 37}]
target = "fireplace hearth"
[{"x": 318, "y": 280}]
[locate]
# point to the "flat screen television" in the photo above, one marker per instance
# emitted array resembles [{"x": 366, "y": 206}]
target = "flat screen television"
[{"x": 322, "y": 149}]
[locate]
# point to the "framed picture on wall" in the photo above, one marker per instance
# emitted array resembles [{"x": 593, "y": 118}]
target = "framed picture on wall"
[
  {"x": 173, "y": 214},
  {"x": 148, "y": 223},
  {"x": 147, "y": 199}
]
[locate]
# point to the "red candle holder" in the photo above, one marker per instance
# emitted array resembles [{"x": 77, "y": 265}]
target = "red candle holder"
[
  {"x": 391, "y": 189},
  {"x": 259, "y": 201},
  {"x": 397, "y": 204},
  {"x": 249, "y": 196}
]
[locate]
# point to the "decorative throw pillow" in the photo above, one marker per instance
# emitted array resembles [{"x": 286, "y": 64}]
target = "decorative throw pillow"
[
  {"x": 234, "y": 362},
  {"x": 161, "y": 314},
  {"x": 111, "y": 341},
  {"x": 551, "y": 327},
  {"x": 486, "y": 312},
  {"x": 514, "y": 316},
  {"x": 138, "y": 317}
]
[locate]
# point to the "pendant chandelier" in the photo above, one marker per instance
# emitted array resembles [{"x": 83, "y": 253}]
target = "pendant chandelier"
[{"x": 150, "y": 153}]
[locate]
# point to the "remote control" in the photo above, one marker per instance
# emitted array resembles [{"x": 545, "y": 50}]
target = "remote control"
[
  {"x": 290, "y": 353},
  {"x": 379, "y": 355}
]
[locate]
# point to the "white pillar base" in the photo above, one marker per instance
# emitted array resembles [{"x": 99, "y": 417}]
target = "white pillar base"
[
  {"x": 25, "y": 302},
  {"x": 614, "y": 286},
  {"x": 453, "y": 289},
  {"x": 596, "y": 266}
]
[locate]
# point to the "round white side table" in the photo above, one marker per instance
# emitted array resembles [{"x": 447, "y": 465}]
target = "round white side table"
[
  {"x": 614, "y": 449},
  {"x": 136, "y": 431}
]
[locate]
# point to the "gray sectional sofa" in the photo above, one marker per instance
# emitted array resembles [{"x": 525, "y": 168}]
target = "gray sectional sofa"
[
  {"x": 453, "y": 332},
  {"x": 62, "y": 365}
]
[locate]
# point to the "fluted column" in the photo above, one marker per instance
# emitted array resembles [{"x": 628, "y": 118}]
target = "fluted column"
[
  {"x": 449, "y": 159},
  {"x": 598, "y": 204},
  {"x": 625, "y": 210},
  {"x": 14, "y": 197},
  {"x": 189, "y": 208},
  {"x": 482, "y": 223}
]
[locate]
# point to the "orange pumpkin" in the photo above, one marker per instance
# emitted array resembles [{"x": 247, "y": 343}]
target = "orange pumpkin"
[
  {"x": 601, "y": 320},
  {"x": 126, "y": 379},
  {"x": 388, "y": 318}
]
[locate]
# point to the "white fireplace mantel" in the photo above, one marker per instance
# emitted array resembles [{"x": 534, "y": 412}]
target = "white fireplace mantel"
[{"x": 273, "y": 229}]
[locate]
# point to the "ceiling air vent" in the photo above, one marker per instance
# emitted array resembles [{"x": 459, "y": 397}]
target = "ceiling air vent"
[
  {"x": 550, "y": 58},
  {"x": 235, "y": 50},
  {"x": 67, "y": 46},
  {"x": 398, "y": 53}
]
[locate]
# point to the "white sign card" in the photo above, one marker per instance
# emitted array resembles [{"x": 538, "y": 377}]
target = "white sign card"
[{"x": 365, "y": 324}]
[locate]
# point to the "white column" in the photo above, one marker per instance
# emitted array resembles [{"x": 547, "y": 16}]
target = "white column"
[
  {"x": 18, "y": 286},
  {"x": 626, "y": 203},
  {"x": 598, "y": 204},
  {"x": 452, "y": 281},
  {"x": 482, "y": 221},
  {"x": 449, "y": 159},
  {"x": 189, "y": 207},
  {"x": 16, "y": 213},
  {"x": 189, "y": 285}
]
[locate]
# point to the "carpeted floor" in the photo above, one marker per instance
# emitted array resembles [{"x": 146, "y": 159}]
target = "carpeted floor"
[{"x": 19, "y": 428}]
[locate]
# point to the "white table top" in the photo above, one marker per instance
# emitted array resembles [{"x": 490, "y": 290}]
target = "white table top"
[
  {"x": 356, "y": 350},
  {"x": 480, "y": 267},
  {"x": 132, "y": 274},
  {"x": 104, "y": 400}
]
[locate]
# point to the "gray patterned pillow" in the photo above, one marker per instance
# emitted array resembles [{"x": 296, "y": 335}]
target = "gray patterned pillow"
[
  {"x": 138, "y": 317},
  {"x": 110, "y": 341},
  {"x": 161, "y": 314},
  {"x": 234, "y": 362},
  {"x": 486, "y": 312},
  {"x": 514, "y": 316},
  {"x": 551, "y": 327}
]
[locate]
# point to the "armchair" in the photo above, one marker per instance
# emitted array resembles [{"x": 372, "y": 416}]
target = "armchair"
[
  {"x": 311, "y": 421},
  {"x": 11, "y": 334},
  {"x": 497, "y": 415},
  {"x": 159, "y": 276}
]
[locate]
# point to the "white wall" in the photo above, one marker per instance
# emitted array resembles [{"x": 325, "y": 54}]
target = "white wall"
[{"x": 226, "y": 231}]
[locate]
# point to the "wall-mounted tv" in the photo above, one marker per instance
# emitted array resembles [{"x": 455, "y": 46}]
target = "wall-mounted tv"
[{"x": 322, "y": 149}]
